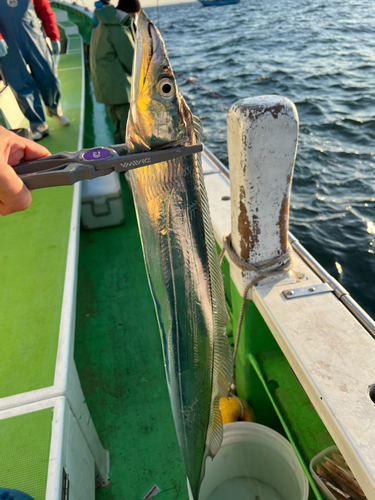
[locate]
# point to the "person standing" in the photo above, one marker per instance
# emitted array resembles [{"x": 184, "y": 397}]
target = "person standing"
[
  {"x": 22, "y": 45},
  {"x": 111, "y": 61}
]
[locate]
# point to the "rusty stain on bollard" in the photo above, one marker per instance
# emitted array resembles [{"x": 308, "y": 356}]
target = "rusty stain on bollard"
[
  {"x": 284, "y": 224},
  {"x": 249, "y": 230},
  {"x": 253, "y": 111},
  {"x": 244, "y": 229}
]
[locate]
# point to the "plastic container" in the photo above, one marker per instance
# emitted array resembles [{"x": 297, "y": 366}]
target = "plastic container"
[
  {"x": 253, "y": 463},
  {"x": 316, "y": 461},
  {"x": 102, "y": 202}
]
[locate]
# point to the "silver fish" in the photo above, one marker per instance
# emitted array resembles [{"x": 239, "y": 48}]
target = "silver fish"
[{"x": 180, "y": 254}]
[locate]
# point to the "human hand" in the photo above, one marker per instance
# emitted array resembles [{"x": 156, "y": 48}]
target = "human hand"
[
  {"x": 56, "y": 47},
  {"x": 3, "y": 48},
  {"x": 14, "y": 195}
]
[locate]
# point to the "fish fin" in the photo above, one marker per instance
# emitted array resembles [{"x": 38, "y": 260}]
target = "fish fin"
[
  {"x": 217, "y": 284},
  {"x": 214, "y": 439},
  {"x": 215, "y": 427},
  {"x": 198, "y": 128},
  {"x": 221, "y": 381},
  {"x": 223, "y": 367},
  {"x": 222, "y": 357}
]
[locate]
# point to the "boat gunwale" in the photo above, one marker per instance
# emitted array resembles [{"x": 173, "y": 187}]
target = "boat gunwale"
[{"x": 341, "y": 293}]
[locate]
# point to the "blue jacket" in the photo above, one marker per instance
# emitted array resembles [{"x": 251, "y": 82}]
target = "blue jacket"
[{"x": 98, "y": 5}]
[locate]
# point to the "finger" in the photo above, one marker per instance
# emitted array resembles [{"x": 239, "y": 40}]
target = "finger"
[
  {"x": 7, "y": 210},
  {"x": 15, "y": 148},
  {"x": 25, "y": 150},
  {"x": 14, "y": 195}
]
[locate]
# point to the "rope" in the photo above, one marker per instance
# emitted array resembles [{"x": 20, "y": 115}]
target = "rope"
[
  {"x": 204, "y": 88},
  {"x": 262, "y": 269}
]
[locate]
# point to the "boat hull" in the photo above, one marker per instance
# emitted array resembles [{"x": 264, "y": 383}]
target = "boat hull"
[{"x": 210, "y": 3}]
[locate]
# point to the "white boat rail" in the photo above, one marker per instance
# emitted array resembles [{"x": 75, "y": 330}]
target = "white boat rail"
[{"x": 341, "y": 293}]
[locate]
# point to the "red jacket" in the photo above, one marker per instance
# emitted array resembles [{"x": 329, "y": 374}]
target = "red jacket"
[{"x": 44, "y": 12}]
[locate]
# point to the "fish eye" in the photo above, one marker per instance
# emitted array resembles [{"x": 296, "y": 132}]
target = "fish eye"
[{"x": 166, "y": 87}]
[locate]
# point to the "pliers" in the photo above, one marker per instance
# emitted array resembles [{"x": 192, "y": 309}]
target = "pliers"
[{"x": 64, "y": 169}]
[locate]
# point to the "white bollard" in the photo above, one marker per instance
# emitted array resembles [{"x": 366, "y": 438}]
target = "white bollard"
[{"x": 262, "y": 146}]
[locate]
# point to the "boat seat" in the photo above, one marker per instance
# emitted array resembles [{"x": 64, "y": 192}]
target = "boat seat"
[
  {"x": 43, "y": 452},
  {"x": 63, "y": 22},
  {"x": 38, "y": 274}
]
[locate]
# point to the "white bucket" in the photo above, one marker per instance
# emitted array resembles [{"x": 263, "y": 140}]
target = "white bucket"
[{"x": 253, "y": 463}]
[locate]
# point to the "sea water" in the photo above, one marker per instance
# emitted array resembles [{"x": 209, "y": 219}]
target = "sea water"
[
  {"x": 321, "y": 55},
  {"x": 244, "y": 488}
]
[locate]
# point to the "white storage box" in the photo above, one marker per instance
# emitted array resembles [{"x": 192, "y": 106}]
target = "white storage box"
[{"x": 102, "y": 202}]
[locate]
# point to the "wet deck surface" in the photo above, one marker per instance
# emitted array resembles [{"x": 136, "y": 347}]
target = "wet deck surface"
[{"x": 119, "y": 357}]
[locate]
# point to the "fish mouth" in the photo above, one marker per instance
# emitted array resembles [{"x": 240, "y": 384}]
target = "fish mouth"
[
  {"x": 152, "y": 63},
  {"x": 159, "y": 116},
  {"x": 147, "y": 42}
]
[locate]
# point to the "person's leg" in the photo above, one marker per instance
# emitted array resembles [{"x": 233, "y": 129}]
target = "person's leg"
[
  {"x": 51, "y": 94},
  {"x": 25, "y": 91},
  {"x": 44, "y": 71},
  {"x": 113, "y": 115}
]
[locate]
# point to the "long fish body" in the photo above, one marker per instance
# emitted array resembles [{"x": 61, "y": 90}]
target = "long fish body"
[{"x": 180, "y": 254}]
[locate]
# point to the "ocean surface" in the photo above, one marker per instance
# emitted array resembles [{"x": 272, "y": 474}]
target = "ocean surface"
[{"x": 320, "y": 55}]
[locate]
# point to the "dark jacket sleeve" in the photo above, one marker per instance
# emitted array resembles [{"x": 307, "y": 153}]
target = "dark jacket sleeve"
[{"x": 44, "y": 12}]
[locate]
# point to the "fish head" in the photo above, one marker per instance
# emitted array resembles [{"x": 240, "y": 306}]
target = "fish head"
[{"x": 159, "y": 116}]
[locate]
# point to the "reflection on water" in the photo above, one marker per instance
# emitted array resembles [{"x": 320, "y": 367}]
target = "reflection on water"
[{"x": 321, "y": 55}]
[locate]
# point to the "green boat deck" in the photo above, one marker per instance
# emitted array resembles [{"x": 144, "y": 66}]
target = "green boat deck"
[
  {"x": 30, "y": 328},
  {"x": 30, "y": 308},
  {"x": 25, "y": 449},
  {"x": 118, "y": 351}
]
